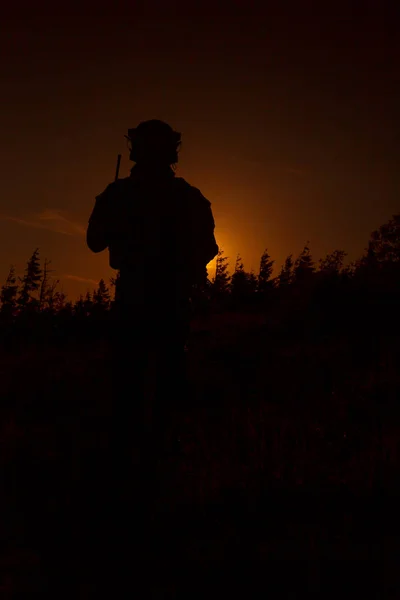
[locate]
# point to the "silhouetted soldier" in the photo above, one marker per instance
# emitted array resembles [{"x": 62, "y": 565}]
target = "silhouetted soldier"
[{"x": 160, "y": 234}]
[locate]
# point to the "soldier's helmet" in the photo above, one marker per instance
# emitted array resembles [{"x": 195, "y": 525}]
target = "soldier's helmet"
[{"x": 152, "y": 142}]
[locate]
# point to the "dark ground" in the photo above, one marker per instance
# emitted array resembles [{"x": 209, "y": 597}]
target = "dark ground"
[{"x": 285, "y": 480}]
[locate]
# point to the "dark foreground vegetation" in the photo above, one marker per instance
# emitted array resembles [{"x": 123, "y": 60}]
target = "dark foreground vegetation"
[{"x": 285, "y": 475}]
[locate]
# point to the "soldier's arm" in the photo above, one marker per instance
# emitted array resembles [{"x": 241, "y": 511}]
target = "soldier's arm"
[
  {"x": 210, "y": 244},
  {"x": 204, "y": 244},
  {"x": 97, "y": 235},
  {"x": 207, "y": 244}
]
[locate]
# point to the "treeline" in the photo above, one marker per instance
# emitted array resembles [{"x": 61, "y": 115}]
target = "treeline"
[
  {"x": 304, "y": 294},
  {"x": 36, "y": 292},
  {"x": 324, "y": 288}
]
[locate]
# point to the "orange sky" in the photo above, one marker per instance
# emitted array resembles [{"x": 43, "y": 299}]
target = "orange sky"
[{"x": 289, "y": 122}]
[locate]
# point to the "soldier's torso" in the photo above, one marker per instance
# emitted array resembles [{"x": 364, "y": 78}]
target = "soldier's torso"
[{"x": 148, "y": 235}]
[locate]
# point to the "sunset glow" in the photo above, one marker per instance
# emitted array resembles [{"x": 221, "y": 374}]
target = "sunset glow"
[{"x": 283, "y": 154}]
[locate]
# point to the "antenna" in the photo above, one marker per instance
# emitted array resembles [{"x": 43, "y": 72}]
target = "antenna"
[{"x": 117, "y": 169}]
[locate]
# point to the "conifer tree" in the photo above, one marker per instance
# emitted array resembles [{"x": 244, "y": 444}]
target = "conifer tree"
[
  {"x": 265, "y": 282},
  {"x": 30, "y": 282},
  {"x": 285, "y": 276},
  {"x": 88, "y": 303},
  {"x": 220, "y": 283},
  {"x": 239, "y": 279},
  {"x": 332, "y": 264},
  {"x": 304, "y": 266},
  {"x": 101, "y": 296},
  {"x": 9, "y": 292}
]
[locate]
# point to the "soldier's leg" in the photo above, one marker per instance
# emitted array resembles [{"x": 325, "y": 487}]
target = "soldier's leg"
[
  {"x": 127, "y": 505},
  {"x": 171, "y": 391}
]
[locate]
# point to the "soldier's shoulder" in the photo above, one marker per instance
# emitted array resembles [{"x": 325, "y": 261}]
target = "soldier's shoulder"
[
  {"x": 193, "y": 192},
  {"x": 121, "y": 184},
  {"x": 115, "y": 187}
]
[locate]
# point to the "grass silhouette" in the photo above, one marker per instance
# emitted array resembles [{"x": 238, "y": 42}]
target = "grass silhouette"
[{"x": 285, "y": 450}]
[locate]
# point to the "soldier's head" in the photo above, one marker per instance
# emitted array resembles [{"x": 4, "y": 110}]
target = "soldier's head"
[{"x": 153, "y": 143}]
